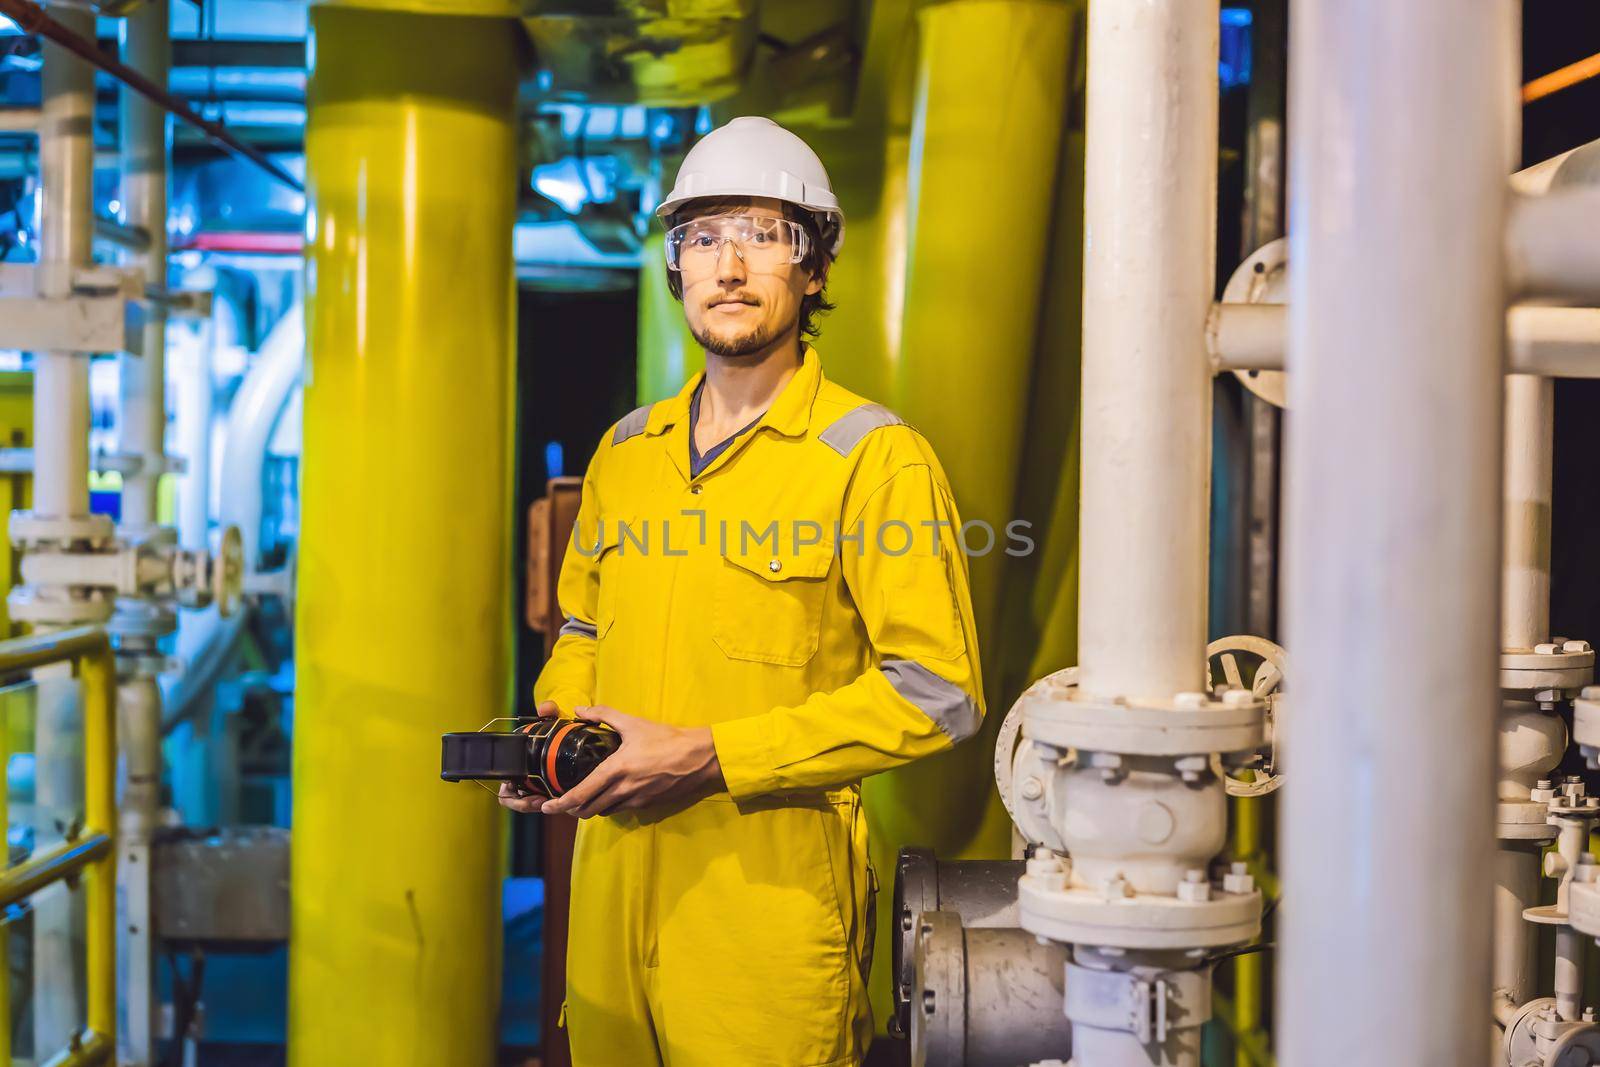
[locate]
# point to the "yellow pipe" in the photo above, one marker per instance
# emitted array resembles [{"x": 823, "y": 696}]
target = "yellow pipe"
[
  {"x": 52, "y": 865},
  {"x": 88, "y": 1049},
  {"x": 668, "y": 353},
  {"x": 403, "y": 622},
  {"x": 979, "y": 191}
]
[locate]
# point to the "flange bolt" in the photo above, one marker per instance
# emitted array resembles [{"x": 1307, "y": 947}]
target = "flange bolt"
[{"x": 1194, "y": 889}]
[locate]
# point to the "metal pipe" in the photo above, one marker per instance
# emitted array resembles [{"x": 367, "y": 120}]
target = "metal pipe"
[
  {"x": 1149, "y": 202},
  {"x": 393, "y": 153},
  {"x": 52, "y": 865},
  {"x": 33, "y": 19},
  {"x": 1395, "y": 364},
  {"x": 129, "y": 238},
  {"x": 19, "y": 119},
  {"x": 1516, "y": 888},
  {"x": 146, "y": 140},
  {"x": 252, "y": 417},
  {"x": 1552, "y": 342},
  {"x": 61, "y": 379},
  {"x": 1528, "y": 470},
  {"x": 1552, "y": 245},
  {"x": 1564, "y": 78},
  {"x": 61, "y": 491}
]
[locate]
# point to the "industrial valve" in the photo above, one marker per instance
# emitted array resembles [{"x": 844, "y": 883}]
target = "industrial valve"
[
  {"x": 77, "y": 575},
  {"x": 545, "y": 757}
]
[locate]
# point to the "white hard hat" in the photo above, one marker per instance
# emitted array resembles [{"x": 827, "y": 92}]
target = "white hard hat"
[{"x": 754, "y": 156}]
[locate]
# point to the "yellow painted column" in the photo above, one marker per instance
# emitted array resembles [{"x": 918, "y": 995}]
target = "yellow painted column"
[
  {"x": 668, "y": 353},
  {"x": 403, "y": 622},
  {"x": 981, "y": 190},
  {"x": 990, "y": 100}
]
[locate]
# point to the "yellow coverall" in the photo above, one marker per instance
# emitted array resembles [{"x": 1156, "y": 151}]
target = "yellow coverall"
[{"x": 806, "y": 597}]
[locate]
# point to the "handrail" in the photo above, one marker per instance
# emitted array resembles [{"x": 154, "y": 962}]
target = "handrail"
[{"x": 89, "y": 850}]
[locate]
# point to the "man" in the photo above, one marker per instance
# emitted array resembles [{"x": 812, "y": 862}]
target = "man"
[{"x": 766, "y": 598}]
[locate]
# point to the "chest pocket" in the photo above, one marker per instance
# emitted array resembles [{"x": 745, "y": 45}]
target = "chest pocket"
[
  {"x": 768, "y": 604},
  {"x": 614, "y": 553}
]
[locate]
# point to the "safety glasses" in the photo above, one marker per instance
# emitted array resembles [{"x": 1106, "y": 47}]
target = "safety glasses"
[{"x": 764, "y": 243}]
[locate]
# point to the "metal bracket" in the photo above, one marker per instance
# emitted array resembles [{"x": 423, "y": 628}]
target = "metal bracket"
[{"x": 1147, "y": 1004}]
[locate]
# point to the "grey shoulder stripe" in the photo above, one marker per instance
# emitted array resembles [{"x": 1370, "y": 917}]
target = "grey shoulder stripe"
[
  {"x": 579, "y": 627},
  {"x": 848, "y": 429},
  {"x": 632, "y": 424},
  {"x": 946, "y": 703}
]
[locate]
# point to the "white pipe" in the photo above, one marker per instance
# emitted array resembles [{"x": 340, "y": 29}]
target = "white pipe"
[
  {"x": 196, "y": 397},
  {"x": 66, "y": 173},
  {"x": 1395, "y": 360},
  {"x": 146, "y": 137},
  {"x": 204, "y": 638},
  {"x": 1553, "y": 245},
  {"x": 20, "y": 119},
  {"x": 1516, "y": 888},
  {"x": 251, "y": 419},
  {"x": 1149, "y": 204},
  {"x": 138, "y": 813},
  {"x": 1528, "y": 470},
  {"x": 61, "y": 490},
  {"x": 1552, "y": 342}
]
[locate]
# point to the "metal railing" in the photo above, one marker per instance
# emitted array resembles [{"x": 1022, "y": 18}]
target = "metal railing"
[{"x": 87, "y": 849}]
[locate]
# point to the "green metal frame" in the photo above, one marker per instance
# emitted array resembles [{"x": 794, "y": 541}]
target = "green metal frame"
[{"x": 87, "y": 851}]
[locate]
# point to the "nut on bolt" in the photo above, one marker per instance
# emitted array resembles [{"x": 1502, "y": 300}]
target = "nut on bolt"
[
  {"x": 1190, "y": 768},
  {"x": 1545, "y": 649},
  {"x": 1189, "y": 701},
  {"x": 1576, "y": 646},
  {"x": 1109, "y": 764},
  {"x": 1238, "y": 698},
  {"x": 1194, "y": 889},
  {"x": 1238, "y": 880},
  {"x": 1115, "y": 888},
  {"x": 1031, "y": 789}
]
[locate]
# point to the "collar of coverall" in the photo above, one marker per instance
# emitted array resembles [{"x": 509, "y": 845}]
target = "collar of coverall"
[{"x": 789, "y": 415}]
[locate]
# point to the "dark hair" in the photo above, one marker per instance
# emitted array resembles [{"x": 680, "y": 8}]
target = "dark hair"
[{"x": 820, "y": 232}]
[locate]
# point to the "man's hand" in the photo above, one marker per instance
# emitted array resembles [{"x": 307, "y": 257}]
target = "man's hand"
[
  {"x": 656, "y": 763},
  {"x": 527, "y": 803}
]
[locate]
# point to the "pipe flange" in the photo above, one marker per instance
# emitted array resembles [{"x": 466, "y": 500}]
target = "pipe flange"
[
  {"x": 31, "y": 530},
  {"x": 1558, "y": 668},
  {"x": 26, "y": 603},
  {"x": 1262, "y": 279},
  {"x": 1523, "y": 820},
  {"x": 1188, "y": 724},
  {"x": 1519, "y": 1043},
  {"x": 1578, "y": 1045},
  {"x": 1083, "y": 916},
  {"x": 938, "y": 1027},
  {"x": 916, "y": 891}
]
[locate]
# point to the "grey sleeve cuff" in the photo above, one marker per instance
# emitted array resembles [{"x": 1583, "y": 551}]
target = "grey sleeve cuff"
[{"x": 579, "y": 627}]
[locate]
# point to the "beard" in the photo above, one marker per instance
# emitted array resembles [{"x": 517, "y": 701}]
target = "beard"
[{"x": 748, "y": 343}]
